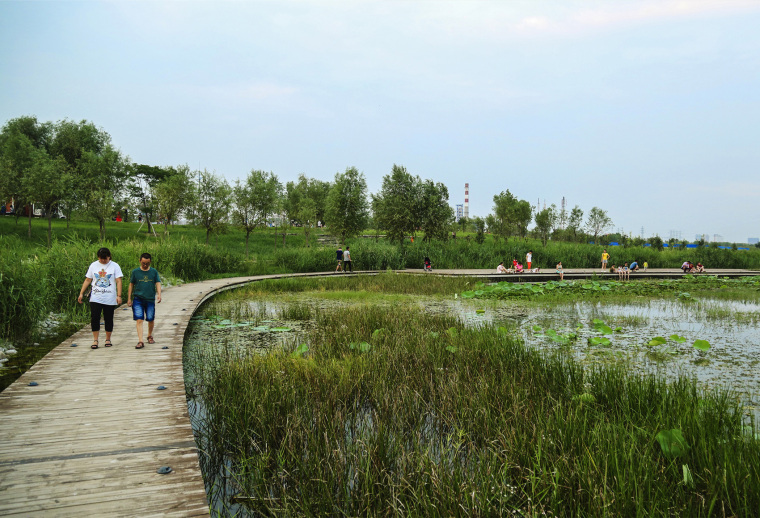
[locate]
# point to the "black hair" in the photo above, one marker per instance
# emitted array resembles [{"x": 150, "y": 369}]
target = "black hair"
[
  {"x": 104, "y": 253},
  {"x": 146, "y": 255}
]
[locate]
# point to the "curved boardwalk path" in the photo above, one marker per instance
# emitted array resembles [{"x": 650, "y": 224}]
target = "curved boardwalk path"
[{"x": 88, "y": 439}]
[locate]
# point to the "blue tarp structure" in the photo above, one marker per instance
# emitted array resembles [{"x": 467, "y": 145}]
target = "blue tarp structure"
[
  {"x": 614, "y": 243},
  {"x": 742, "y": 248},
  {"x": 692, "y": 246},
  {"x": 665, "y": 245},
  {"x": 725, "y": 247},
  {"x": 647, "y": 244}
]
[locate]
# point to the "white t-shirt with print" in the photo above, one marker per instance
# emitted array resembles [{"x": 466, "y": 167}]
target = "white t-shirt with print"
[{"x": 104, "y": 282}]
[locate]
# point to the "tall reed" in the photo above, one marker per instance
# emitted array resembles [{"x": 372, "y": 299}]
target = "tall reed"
[{"x": 399, "y": 412}]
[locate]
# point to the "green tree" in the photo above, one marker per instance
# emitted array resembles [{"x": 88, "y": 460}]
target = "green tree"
[
  {"x": 23, "y": 142},
  {"x": 480, "y": 230},
  {"x": 545, "y": 222},
  {"x": 255, "y": 200},
  {"x": 434, "y": 212},
  {"x": 70, "y": 141},
  {"x": 575, "y": 222},
  {"x": 173, "y": 195},
  {"x": 211, "y": 205},
  {"x": 48, "y": 182},
  {"x": 347, "y": 207},
  {"x": 511, "y": 215},
  {"x": 598, "y": 222},
  {"x": 395, "y": 207},
  {"x": 101, "y": 183}
]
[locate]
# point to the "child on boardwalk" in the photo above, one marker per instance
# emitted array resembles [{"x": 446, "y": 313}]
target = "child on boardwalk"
[
  {"x": 560, "y": 271},
  {"x": 145, "y": 285}
]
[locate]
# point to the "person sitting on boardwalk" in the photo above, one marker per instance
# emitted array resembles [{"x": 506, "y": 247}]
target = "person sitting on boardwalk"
[
  {"x": 501, "y": 268},
  {"x": 699, "y": 268},
  {"x": 626, "y": 272},
  {"x": 560, "y": 271},
  {"x": 519, "y": 268},
  {"x": 686, "y": 267},
  {"x": 634, "y": 266},
  {"x": 428, "y": 265}
]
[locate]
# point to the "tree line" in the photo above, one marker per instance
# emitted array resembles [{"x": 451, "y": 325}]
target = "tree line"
[{"x": 66, "y": 167}]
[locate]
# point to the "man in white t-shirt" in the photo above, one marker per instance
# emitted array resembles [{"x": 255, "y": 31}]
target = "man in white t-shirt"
[{"x": 105, "y": 277}]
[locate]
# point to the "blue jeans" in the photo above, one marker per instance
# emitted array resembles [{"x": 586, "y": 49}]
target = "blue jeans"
[{"x": 143, "y": 309}]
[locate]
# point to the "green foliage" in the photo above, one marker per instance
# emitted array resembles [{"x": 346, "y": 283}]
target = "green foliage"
[
  {"x": 433, "y": 410},
  {"x": 347, "y": 208}
]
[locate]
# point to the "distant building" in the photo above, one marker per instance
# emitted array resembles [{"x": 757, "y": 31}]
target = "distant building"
[{"x": 753, "y": 240}]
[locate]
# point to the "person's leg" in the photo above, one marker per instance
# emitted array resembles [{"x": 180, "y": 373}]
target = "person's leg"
[
  {"x": 95, "y": 311},
  {"x": 108, "y": 311},
  {"x": 138, "y": 314},
  {"x": 150, "y": 316}
]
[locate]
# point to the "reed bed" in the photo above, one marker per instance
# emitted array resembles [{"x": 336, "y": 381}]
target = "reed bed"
[{"x": 396, "y": 412}]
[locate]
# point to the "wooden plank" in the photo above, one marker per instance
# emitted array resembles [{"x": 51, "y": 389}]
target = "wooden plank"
[{"x": 88, "y": 439}]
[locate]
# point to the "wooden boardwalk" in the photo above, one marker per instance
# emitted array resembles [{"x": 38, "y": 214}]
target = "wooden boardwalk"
[{"x": 89, "y": 438}]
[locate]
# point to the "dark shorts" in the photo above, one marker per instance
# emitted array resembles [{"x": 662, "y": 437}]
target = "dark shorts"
[{"x": 143, "y": 309}]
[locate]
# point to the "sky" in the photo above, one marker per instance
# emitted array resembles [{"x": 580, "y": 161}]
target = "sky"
[{"x": 646, "y": 109}]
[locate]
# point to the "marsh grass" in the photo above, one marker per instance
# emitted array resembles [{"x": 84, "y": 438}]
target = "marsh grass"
[{"x": 432, "y": 418}]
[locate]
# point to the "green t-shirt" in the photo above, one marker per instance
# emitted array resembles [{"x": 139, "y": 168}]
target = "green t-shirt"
[{"x": 145, "y": 283}]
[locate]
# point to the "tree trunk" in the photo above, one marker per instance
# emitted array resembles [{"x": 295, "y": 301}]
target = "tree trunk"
[
  {"x": 29, "y": 230},
  {"x": 102, "y": 230},
  {"x": 248, "y": 233},
  {"x": 208, "y": 231},
  {"x": 50, "y": 227}
]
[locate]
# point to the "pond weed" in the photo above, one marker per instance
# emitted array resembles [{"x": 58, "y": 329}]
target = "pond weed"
[{"x": 399, "y": 411}]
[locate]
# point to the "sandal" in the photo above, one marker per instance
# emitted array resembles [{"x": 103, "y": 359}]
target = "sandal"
[
  {"x": 108, "y": 343},
  {"x": 139, "y": 345},
  {"x": 151, "y": 340},
  {"x": 94, "y": 345}
]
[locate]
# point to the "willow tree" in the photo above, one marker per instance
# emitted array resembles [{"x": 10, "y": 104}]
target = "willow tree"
[{"x": 347, "y": 210}]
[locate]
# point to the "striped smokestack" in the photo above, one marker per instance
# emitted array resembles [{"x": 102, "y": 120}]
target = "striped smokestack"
[{"x": 467, "y": 200}]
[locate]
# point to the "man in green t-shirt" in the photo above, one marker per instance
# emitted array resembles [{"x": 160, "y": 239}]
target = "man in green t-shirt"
[{"x": 145, "y": 285}]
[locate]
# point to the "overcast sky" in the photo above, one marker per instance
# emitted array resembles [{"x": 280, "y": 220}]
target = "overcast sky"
[{"x": 647, "y": 109}]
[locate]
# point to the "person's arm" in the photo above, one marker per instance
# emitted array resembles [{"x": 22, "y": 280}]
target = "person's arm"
[
  {"x": 158, "y": 292},
  {"x": 118, "y": 291},
  {"x": 129, "y": 293},
  {"x": 86, "y": 283}
]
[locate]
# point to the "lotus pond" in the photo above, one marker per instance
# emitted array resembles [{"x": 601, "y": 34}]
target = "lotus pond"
[{"x": 389, "y": 396}]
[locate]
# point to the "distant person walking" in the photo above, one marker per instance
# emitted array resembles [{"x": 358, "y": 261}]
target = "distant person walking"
[
  {"x": 145, "y": 285},
  {"x": 347, "y": 261},
  {"x": 105, "y": 277},
  {"x": 529, "y": 258},
  {"x": 340, "y": 258},
  {"x": 605, "y": 258}
]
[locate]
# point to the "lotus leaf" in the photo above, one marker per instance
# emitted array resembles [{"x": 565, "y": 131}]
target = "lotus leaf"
[
  {"x": 657, "y": 340},
  {"x": 679, "y": 339},
  {"x": 672, "y": 443},
  {"x": 302, "y": 349},
  {"x": 702, "y": 345},
  {"x": 361, "y": 346}
]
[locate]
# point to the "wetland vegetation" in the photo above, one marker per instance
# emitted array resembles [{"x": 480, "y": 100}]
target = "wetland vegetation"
[{"x": 386, "y": 395}]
